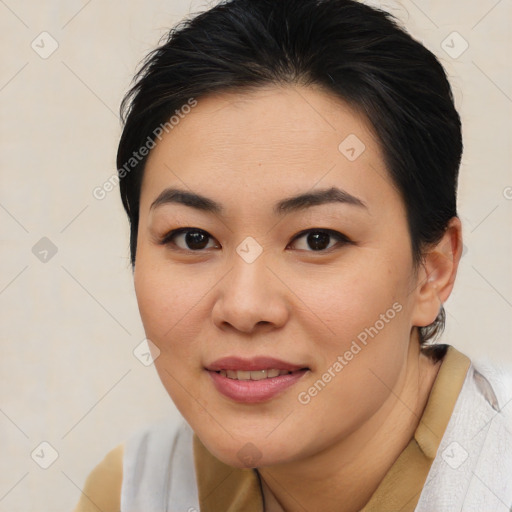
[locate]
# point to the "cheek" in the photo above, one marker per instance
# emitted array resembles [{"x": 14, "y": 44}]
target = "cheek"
[
  {"x": 167, "y": 298},
  {"x": 361, "y": 356},
  {"x": 167, "y": 302},
  {"x": 348, "y": 302}
]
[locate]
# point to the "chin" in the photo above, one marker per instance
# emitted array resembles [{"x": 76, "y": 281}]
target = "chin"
[{"x": 251, "y": 452}]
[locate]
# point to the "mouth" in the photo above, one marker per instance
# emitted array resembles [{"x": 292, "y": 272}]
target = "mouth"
[
  {"x": 254, "y": 380},
  {"x": 256, "y": 374}
]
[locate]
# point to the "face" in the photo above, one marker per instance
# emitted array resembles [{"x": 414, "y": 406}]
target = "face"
[{"x": 248, "y": 277}]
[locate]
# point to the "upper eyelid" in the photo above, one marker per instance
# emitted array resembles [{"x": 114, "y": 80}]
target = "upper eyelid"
[{"x": 332, "y": 232}]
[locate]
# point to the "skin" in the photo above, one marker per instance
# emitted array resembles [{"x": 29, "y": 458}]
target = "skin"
[{"x": 248, "y": 151}]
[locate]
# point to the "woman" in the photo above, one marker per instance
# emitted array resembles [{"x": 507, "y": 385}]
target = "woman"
[{"x": 289, "y": 170}]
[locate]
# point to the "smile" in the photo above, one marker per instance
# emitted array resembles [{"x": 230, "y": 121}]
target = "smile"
[{"x": 252, "y": 375}]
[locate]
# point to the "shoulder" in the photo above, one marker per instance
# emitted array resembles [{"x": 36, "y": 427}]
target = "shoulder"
[
  {"x": 102, "y": 488},
  {"x": 158, "y": 467},
  {"x": 472, "y": 466},
  {"x": 133, "y": 470}
]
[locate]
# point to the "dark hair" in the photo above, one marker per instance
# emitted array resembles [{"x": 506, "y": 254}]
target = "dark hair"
[{"x": 355, "y": 52}]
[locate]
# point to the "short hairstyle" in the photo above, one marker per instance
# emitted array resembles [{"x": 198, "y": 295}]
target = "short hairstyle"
[{"x": 355, "y": 52}]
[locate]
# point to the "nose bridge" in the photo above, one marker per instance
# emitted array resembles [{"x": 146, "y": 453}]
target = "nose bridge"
[
  {"x": 249, "y": 276},
  {"x": 250, "y": 293}
]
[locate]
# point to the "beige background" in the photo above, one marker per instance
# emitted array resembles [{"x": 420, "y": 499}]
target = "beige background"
[{"x": 70, "y": 324}]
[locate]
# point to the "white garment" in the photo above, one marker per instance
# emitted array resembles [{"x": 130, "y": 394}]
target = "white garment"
[
  {"x": 158, "y": 470},
  {"x": 472, "y": 471}
]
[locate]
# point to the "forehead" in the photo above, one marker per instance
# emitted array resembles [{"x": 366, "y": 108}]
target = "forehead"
[
  {"x": 269, "y": 138},
  {"x": 268, "y": 116}
]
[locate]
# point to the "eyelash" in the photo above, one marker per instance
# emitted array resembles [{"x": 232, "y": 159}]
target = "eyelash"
[{"x": 342, "y": 239}]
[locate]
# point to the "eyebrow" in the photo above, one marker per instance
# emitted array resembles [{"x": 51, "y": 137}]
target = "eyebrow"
[{"x": 291, "y": 204}]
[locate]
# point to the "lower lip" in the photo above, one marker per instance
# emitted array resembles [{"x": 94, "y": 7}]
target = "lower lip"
[{"x": 251, "y": 391}]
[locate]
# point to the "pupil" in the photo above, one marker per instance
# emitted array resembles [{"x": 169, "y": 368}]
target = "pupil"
[
  {"x": 318, "y": 240},
  {"x": 196, "y": 240}
]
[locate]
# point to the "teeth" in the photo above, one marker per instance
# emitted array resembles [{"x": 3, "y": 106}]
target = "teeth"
[
  {"x": 253, "y": 375},
  {"x": 262, "y": 374}
]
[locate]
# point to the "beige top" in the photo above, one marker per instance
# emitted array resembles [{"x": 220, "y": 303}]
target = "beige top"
[{"x": 227, "y": 489}]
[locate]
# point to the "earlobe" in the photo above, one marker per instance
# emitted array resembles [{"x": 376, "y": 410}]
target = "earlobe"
[{"x": 437, "y": 274}]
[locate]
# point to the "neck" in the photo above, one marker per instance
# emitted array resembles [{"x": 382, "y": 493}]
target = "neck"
[{"x": 344, "y": 477}]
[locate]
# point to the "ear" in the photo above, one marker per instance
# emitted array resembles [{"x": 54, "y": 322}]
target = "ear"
[{"x": 436, "y": 275}]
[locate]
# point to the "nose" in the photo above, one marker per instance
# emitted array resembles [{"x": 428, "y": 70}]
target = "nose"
[{"x": 250, "y": 297}]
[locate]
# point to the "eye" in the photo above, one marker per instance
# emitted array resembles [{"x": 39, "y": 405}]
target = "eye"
[
  {"x": 192, "y": 239},
  {"x": 319, "y": 239}
]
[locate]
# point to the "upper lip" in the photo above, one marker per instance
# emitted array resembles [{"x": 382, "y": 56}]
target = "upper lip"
[{"x": 253, "y": 364}]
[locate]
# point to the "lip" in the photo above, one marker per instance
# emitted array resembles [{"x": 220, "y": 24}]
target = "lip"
[
  {"x": 254, "y": 391},
  {"x": 253, "y": 364}
]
